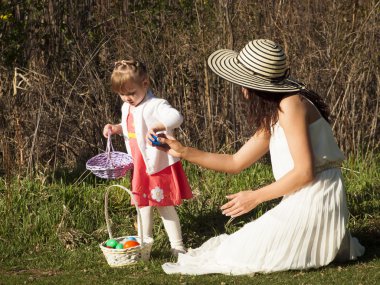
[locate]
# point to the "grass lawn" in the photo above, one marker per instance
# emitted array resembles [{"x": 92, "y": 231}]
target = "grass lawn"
[
  {"x": 88, "y": 266},
  {"x": 51, "y": 230}
]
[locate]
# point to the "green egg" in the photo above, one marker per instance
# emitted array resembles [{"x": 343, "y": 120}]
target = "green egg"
[
  {"x": 111, "y": 243},
  {"x": 119, "y": 246}
]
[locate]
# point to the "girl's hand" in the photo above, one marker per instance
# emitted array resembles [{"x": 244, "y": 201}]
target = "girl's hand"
[
  {"x": 112, "y": 130},
  {"x": 152, "y": 132},
  {"x": 150, "y": 136},
  {"x": 106, "y": 130},
  {"x": 241, "y": 203}
]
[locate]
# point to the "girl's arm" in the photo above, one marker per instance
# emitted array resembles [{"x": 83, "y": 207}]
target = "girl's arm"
[
  {"x": 251, "y": 151},
  {"x": 168, "y": 117},
  {"x": 293, "y": 120}
]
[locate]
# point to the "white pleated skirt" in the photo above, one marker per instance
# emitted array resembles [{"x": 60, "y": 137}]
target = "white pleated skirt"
[{"x": 307, "y": 229}]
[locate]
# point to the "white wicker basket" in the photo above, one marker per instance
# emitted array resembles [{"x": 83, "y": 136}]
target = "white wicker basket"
[{"x": 128, "y": 256}]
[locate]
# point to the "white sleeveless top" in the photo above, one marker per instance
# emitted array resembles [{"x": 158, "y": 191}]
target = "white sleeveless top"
[{"x": 325, "y": 149}]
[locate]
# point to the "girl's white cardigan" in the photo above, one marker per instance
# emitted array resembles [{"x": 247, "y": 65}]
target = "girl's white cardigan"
[{"x": 150, "y": 111}]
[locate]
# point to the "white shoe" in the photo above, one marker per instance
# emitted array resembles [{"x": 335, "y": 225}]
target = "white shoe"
[{"x": 177, "y": 250}]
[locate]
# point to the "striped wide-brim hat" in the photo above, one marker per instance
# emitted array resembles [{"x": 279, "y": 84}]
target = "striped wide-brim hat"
[{"x": 260, "y": 65}]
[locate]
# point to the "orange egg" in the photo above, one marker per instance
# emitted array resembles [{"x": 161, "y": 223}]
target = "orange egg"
[{"x": 130, "y": 243}]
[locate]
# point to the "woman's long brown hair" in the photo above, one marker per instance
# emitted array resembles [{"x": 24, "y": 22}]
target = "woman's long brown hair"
[{"x": 264, "y": 107}]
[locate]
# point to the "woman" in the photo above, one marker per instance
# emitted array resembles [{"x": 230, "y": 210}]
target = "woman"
[{"x": 307, "y": 229}]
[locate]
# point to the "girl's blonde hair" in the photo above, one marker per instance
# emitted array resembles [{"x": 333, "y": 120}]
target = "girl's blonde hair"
[{"x": 126, "y": 70}]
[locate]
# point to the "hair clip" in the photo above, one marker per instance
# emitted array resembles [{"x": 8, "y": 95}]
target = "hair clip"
[
  {"x": 119, "y": 63},
  {"x": 135, "y": 64}
]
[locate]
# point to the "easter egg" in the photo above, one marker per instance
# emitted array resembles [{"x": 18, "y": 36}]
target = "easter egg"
[
  {"x": 119, "y": 246},
  {"x": 130, "y": 238},
  {"x": 111, "y": 243},
  {"x": 127, "y": 239},
  {"x": 130, "y": 243}
]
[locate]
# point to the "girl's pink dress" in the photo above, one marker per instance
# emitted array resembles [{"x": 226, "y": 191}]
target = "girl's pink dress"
[{"x": 165, "y": 188}]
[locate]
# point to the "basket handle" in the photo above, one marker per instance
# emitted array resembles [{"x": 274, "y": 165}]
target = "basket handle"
[
  {"x": 109, "y": 147},
  {"x": 109, "y": 143},
  {"x": 137, "y": 209}
]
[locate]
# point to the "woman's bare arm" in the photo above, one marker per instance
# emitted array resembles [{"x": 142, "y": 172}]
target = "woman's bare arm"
[{"x": 251, "y": 151}]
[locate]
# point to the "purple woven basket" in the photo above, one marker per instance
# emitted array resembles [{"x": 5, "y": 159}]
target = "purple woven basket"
[{"x": 110, "y": 164}]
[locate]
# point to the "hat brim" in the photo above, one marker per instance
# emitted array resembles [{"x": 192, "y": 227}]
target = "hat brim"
[{"x": 224, "y": 63}]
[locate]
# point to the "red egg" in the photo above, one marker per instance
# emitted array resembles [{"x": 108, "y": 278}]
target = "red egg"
[{"x": 130, "y": 243}]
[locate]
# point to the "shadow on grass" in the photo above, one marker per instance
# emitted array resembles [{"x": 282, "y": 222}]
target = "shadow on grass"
[
  {"x": 369, "y": 237},
  {"x": 198, "y": 228}
]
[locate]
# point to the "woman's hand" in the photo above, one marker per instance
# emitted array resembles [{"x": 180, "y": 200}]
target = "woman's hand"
[
  {"x": 171, "y": 146},
  {"x": 241, "y": 203}
]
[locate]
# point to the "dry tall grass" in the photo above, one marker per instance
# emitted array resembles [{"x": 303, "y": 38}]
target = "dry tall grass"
[{"x": 56, "y": 59}]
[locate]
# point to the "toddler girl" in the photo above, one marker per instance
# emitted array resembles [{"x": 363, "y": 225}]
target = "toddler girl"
[{"x": 158, "y": 179}]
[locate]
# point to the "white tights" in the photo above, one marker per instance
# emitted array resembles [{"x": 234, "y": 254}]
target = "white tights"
[{"x": 171, "y": 223}]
